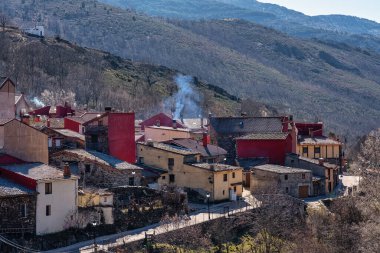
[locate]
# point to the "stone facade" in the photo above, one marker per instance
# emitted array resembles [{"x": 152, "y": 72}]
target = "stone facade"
[
  {"x": 95, "y": 173},
  {"x": 269, "y": 179},
  {"x": 12, "y": 216}
]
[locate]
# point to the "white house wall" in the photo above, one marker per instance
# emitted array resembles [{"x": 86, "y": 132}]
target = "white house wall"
[{"x": 63, "y": 201}]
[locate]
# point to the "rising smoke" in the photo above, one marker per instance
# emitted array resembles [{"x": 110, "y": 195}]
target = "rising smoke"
[
  {"x": 186, "y": 102},
  {"x": 38, "y": 102}
]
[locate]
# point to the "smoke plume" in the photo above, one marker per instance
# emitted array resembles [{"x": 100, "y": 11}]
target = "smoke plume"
[{"x": 185, "y": 103}]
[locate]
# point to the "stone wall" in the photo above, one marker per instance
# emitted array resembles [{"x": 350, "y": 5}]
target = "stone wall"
[{"x": 11, "y": 217}]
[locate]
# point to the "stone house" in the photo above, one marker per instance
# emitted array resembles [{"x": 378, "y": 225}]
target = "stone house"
[
  {"x": 17, "y": 208},
  {"x": 325, "y": 175},
  {"x": 270, "y": 178},
  {"x": 59, "y": 139},
  {"x": 96, "y": 169},
  {"x": 184, "y": 169}
]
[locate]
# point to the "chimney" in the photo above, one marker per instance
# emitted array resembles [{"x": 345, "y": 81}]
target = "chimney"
[
  {"x": 108, "y": 109},
  {"x": 174, "y": 124},
  {"x": 202, "y": 123},
  {"x": 66, "y": 171},
  {"x": 205, "y": 139},
  {"x": 48, "y": 122},
  {"x": 25, "y": 119},
  {"x": 320, "y": 161}
]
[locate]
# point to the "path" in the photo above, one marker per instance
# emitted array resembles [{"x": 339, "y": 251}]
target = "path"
[{"x": 111, "y": 241}]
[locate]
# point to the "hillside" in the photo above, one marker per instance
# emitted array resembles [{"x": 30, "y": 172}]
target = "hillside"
[
  {"x": 332, "y": 82},
  {"x": 100, "y": 79},
  {"x": 351, "y": 30}
]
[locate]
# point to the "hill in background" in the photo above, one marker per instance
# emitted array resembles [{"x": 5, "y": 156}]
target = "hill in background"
[{"x": 314, "y": 80}]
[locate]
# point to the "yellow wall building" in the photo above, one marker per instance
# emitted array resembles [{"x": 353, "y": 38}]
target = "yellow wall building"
[
  {"x": 318, "y": 147},
  {"x": 221, "y": 181}
]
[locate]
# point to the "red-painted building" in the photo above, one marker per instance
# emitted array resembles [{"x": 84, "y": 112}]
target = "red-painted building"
[
  {"x": 58, "y": 111},
  {"x": 112, "y": 133},
  {"x": 160, "y": 119},
  {"x": 272, "y": 146}
]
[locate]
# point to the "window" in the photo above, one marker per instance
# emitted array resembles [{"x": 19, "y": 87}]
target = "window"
[
  {"x": 100, "y": 123},
  {"x": 305, "y": 150},
  {"x": 171, "y": 178},
  {"x": 234, "y": 188},
  {"x": 58, "y": 142},
  {"x": 287, "y": 190},
  {"x": 163, "y": 177},
  {"x": 50, "y": 142},
  {"x": 48, "y": 188},
  {"x": 87, "y": 168},
  {"x": 48, "y": 210},
  {"x": 317, "y": 150},
  {"x": 225, "y": 177},
  {"x": 303, "y": 176},
  {"x": 224, "y": 192},
  {"x": 233, "y": 174},
  {"x": 131, "y": 181},
  {"x": 23, "y": 210},
  {"x": 190, "y": 159},
  {"x": 141, "y": 160},
  {"x": 286, "y": 177},
  {"x": 105, "y": 199},
  {"x": 170, "y": 163}
]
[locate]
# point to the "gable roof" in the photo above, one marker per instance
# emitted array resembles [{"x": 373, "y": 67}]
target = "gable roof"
[
  {"x": 280, "y": 169},
  {"x": 196, "y": 146},
  {"x": 246, "y": 125},
  {"x": 169, "y": 148},
  {"x": 101, "y": 158},
  {"x": 264, "y": 136},
  {"x": 10, "y": 188},
  {"x": 85, "y": 117},
  {"x": 317, "y": 140},
  {"x": 36, "y": 171}
]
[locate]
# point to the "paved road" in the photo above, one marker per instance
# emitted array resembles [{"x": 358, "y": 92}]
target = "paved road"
[{"x": 200, "y": 216}]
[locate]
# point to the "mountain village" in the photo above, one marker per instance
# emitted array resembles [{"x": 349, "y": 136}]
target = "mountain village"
[{"x": 62, "y": 167}]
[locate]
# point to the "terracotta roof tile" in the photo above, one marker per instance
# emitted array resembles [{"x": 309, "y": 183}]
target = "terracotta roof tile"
[
  {"x": 246, "y": 125},
  {"x": 264, "y": 136}
]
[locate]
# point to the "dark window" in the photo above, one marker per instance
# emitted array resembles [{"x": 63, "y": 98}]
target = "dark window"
[
  {"x": 163, "y": 177},
  {"x": 286, "y": 177},
  {"x": 233, "y": 174},
  {"x": 287, "y": 190},
  {"x": 23, "y": 210},
  {"x": 190, "y": 159},
  {"x": 48, "y": 188},
  {"x": 225, "y": 176},
  {"x": 94, "y": 138},
  {"x": 170, "y": 163},
  {"x": 100, "y": 123},
  {"x": 171, "y": 178},
  {"x": 224, "y": 192},
  {"x": 48, "y": 210},
  {"x": 88, "y": 168},
  {"x": 305, "y": 150},
  {"x": 131, "y": 181},
  {"x": 234, "y": 188},
  {"x": 317, "y": 150},
  {"x": 141, "y": 160},
  {"x": 303, "y": 176}
]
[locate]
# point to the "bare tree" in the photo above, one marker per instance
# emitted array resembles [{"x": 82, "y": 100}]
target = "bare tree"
[{"x": 3, "y": 20}]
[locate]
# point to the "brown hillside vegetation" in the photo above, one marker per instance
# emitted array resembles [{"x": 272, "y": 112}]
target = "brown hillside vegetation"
[
  {"x": 98, "y": 78},
  {"x": 312, "y": 80}
]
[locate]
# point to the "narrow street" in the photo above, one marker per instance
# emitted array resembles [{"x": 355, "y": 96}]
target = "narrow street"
[{"x": 201, "y": 215}]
